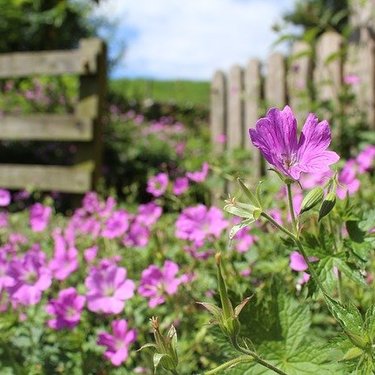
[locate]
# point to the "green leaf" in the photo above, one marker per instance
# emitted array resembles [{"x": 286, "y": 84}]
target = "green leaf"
[
  {"x": 236, "y": 228},
  {"x": 355, "y": 233}
]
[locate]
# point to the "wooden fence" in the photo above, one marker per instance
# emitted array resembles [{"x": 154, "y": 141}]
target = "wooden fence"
[
  {"x": 84, "y": 126},
  {"x": 240, "y": 97}
]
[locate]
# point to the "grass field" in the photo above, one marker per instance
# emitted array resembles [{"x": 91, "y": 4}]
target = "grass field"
[{"x": 179, "y": 92}]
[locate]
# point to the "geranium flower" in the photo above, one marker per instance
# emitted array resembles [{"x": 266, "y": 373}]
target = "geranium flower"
[
  {"x": 348, "y": 181},
  {"x": 66, "y": 308},
  {"x": 200, "y": 223},
  {"x": 199, "y": 176},
  {"x": 180, "y": 185},
  {"x": 118, "y": 343},
  {"x": 5, "y": 198},
  {"x": 39, "y": 217},
  {"x": 65, "y": 259},
  {"x": 276, "y": 137},
  {"x": 108, "y": 288},
  {"x": 157, "y": 185},
  {"x": 156, "y": 283},
  {"x": 31, "y": 277},
  {"x": 116, "y": 225}
]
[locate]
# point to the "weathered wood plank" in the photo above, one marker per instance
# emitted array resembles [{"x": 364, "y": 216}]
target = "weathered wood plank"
[
  {"x": 328, "y": 67},
  {"x": 298, "y": 77},
  {"x": 218, "y": 111},
  {"x": 252, "y": 103},
  {"x": 275, "y": 83},
  {"x": 78, "y": 61},
  {"x": 46, "y": 178},
  {"x": 92, "y": 92},
  {"x": 45, "y": 127},
  {"x": 359, "y": 73},
  {"x": 235, "y": 119}
]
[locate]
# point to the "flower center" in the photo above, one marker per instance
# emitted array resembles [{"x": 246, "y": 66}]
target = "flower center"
[
  {"x": 109, "y": 291},
  {"x": 289, "y": 160},
  {"x": 30, "y": 277}
]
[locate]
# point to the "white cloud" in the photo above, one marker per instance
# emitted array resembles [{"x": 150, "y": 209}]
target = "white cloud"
[{"x": 190, "y": 39}]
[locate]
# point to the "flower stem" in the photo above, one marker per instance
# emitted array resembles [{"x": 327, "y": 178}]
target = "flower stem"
[
  {"x": 258, "y": 359},
  {"x": 291, "y": 208},
  {"x": 277, "y": 225},
  {"x": 232, "y": 362}
]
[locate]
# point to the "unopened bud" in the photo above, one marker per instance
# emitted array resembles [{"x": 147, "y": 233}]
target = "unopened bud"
[
  {"x": 312, "y": 198},
  {"x": 327, "y": 205}
]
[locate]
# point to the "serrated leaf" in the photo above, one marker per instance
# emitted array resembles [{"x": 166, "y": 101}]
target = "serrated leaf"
[{"x": 351, "y": 273}]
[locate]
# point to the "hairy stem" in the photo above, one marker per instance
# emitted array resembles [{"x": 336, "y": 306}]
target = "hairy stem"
[
  {"x": 291, "y": 209},
  {"x": 256, "y": 358},
  {"x": 232, "y": 362},
  {"x": 277, "y": 225}
]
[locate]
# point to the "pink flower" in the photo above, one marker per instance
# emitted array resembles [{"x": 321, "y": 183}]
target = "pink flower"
[
  {"x": 66, "y": 308},
  {"x": 90, "y": 253},
  {"x": 199, "y": 223},
  {"x": 138, "y": 235},
  {"x": 156, "y": 283},
  {"x": 352, "y": 79},
  {"x": 348, "y": 183},
  {"x": 157, "y": 185},
  {"x": 116, "y": 225},
  {"x": 31, "y": 276},
  {"x": 297, "y": 262},
  {"x": 180, "y": 185},
  {"x": 5, "y": 280},
  {"x": 118, "y": 343},
  {"x": 108, "y": 288},
  {"x": 91, "y": 202},
  {"x": 244, "y": 240},
  {"x": 148, "y": 214},
  {"x": 5, "y": 198},
  {"x": 65, "y": 259},
  {"x": 276, "y": 137},
  {"x": 221, "y": 138},
  {"x": 39, "y": 217},
  {"x": 199, "y": 176},
  {"x": 365, "y": 159}
]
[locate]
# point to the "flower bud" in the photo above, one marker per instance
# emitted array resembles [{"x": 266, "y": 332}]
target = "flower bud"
[
  {"x": 327, "y": 205},
  {"x": 312, "y": 198}
]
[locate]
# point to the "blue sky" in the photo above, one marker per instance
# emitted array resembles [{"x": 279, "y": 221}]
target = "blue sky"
[{"x": 189, "y": 39}]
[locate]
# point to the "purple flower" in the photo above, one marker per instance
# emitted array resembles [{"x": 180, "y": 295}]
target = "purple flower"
[
  {"x": 156, "y": 283},
  {"x": 116, "y": 225},
  {"x": 365, "y": 159},
  {"x": 352, "y": 79},
  {"x": 138, "y": 235},
  {"x": 276, "y": 137},
  {"x": 66, "y": 308},
  {"x": 90, "y": 253},
  {"x": 180, "y": 185},
  {"x": 149, "y": 213},
  {"x": 157, "y": 185},
  {"x": 31, "y": 276},
  {"x": 39, "y": 217},
  {"x": 297, "y": 262},
  {"x": 65, "y": 259},
  {"x": 91, "y": 202},
  {"x": 5, "y": 198},
  {"x": 118, "y": 343},
  {"x": 348, "y": 182},
  {"x": 200, "y": 223},
  {"x": 108, "y": 288},
  {"x": 5, "y": 279},
  {"x": 199, "y": 176}
]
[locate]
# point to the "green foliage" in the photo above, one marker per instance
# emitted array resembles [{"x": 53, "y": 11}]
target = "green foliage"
[{"x": 183, "y": 93}]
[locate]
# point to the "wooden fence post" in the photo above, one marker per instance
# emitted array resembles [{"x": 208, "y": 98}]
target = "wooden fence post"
[
  {"x": 92, "y": 91},
  {"x": 275, "y": 83},
  {"x": 298, "y": 77},
  {"x": 360, "y": 64},
  {"x": 252, "y": 99},
  {"x": 218, "y": 111},
  {"x": 235, "y": 119},
  {"x": 328, "y": 68}
]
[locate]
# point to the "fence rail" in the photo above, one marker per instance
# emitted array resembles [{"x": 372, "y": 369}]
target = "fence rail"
[
  {"x": 84, "y": 126},
  {"x": 238, "y": 96}
]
